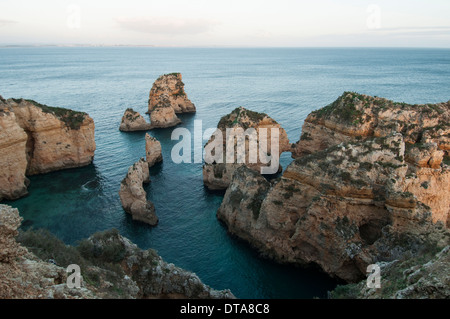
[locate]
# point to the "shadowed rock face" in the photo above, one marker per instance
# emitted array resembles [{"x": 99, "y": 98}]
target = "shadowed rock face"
[
  {"x": 36, "y": 139},
  {"x": 167, "y": 97},
  {"x": 217, "y": 176},
  {"x": 133, "y": 121},
  {"x": 345, "y": 206}
]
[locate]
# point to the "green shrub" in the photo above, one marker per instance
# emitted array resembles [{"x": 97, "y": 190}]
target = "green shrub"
[
  {"x": 72, "y": 119},
  {"x": 46, "y": 246}
]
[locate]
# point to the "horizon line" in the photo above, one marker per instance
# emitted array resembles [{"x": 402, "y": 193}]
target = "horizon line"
[{"x": 80, "y": 45}]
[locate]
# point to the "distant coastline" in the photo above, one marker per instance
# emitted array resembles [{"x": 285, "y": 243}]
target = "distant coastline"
[{"x": 218, "y": 46}]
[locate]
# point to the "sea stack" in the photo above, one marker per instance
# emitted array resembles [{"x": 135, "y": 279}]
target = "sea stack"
[
  {"x": 36, "y": 139},
  {"x": 133, "y": 196},
  {"x": 361, "y": 191},
  {"x": 168, "y": 97},
  {"x": 153, "y": 150},
  {"x": 133, "y": 121},
  {"x": 216, "y": 175}
]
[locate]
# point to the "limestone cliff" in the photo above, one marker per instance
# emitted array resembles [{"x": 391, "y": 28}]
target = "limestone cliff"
[
  {"x": 341, "y": 208},
  {"x": 133, "y": 121},
  {"x": 133, "y": 196},
  {"x": 167, "y": 97},
  {"x": 13, "y": 141},
  {"x": 36, "y": 139},
  {"x": 111, "y": 267},
  {"x": 426, "y": 130},
  {"x": 153, "y": 151},
  {"x": 58, "y": 138},
  {"x": 354, "y": 117},
  {"x": 216, "y": 175}
]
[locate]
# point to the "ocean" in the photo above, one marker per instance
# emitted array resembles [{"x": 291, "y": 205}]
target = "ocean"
[{"x": 285, "y": 83}]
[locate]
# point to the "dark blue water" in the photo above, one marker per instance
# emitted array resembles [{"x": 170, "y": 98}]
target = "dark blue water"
[{"x": 285, "y": 83}]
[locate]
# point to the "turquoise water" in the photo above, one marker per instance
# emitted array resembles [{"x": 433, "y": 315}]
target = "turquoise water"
[{"x": 285, "y": 83}]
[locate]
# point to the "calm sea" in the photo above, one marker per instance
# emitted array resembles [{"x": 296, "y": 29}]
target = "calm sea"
[{"x": 285, "y": 83}]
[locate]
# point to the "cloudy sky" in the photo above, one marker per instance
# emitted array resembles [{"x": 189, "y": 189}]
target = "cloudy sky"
[{"x": 292, "y": 23}]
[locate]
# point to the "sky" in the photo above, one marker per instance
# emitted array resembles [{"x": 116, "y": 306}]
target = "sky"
[{"x": 242, "y": 23}]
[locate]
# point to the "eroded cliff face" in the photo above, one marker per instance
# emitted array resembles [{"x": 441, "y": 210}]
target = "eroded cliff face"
[
  {"x": 111, "y": 267},
  {"x": 133, "y": 121},
  {"x": 168, "y": 97},
  {"x": 425, "y": 128},
  {"x": 13, "y": 141},
  {"x": 55, "y": 139},
  {"x": 216, "y": 175},
  {"x": 133, "y": 196},
  {"x": 342, "y": 208}
]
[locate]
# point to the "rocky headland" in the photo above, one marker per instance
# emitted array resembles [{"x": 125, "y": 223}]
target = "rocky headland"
[
  {"x": 36, "y": 139},
  {"x": 133, "y": 121},
  {"x": 168, "y": 97},
  {"x": 350, "y": 199},
  {"x": 34, "y": 266},
  {"x": 133, "y": 196},
  {"x": 425, "y": 129},
  {"x": 217, "y": 176}
]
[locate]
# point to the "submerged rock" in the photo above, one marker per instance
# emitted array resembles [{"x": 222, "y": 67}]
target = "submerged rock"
[
  {"x": 133, "y": 121},
  {"x": 217, "y": 175},
  {"x": 133, "y": 196},
  {"x": 36, "y": 139}
]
